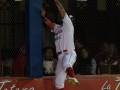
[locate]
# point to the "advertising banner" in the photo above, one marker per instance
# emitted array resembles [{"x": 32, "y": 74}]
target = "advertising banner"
[
  {"x": 20, "y": 84},
  {"x": 97, "y": 82},
  {"x": 93, "y": 82}
]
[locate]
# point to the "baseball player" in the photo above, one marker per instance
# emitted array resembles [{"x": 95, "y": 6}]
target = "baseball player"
[{"x": 65, "y": 49}]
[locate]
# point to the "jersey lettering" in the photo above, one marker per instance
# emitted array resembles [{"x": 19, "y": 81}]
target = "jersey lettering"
[
  {"x": 59, "y": 27},
  {"x": 58, "y": 32},
  {"x": 58, "y": 37}
]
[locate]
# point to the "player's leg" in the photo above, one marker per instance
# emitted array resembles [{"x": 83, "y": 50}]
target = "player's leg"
[
  {"x": 60, "y": 74},
  {"x": 68, "y": 61}
]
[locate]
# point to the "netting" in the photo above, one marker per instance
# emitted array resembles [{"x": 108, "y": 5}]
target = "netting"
[
  {"x": 12, "y": 29},
  {"x": 97, "y": 22}
]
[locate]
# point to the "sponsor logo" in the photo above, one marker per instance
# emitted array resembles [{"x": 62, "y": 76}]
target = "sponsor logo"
[
  {"x": 12, "y": 87},
  {"x": 107, "y": 86}
]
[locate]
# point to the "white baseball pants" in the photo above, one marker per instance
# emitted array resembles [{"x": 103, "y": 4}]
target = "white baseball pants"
[{"x": 65, "y": 60}]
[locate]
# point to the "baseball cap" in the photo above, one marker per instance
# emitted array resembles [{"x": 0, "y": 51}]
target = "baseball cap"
[{"x": 72, "y": 18}]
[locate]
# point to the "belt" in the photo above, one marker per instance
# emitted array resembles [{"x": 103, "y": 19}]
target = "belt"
[{"x": 63, "y": 51}]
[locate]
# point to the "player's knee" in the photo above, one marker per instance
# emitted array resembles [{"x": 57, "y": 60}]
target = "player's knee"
[{"x": 65, "y": 66}]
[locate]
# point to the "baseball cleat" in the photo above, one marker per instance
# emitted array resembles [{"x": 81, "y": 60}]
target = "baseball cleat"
[{"x": 73, "y": 81}]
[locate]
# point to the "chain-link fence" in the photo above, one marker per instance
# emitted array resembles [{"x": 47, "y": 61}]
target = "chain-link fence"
[
  {"x": 12, "y": 33},
  {"x": 96, "y": 21},
  {"x": 96, "y": 30}
]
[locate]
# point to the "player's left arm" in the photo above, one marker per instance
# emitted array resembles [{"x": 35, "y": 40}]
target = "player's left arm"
[
  {"x": 60, "y": 8},
  {"x": 49, "y": 23},
  {"x": 46, "y": 20}
]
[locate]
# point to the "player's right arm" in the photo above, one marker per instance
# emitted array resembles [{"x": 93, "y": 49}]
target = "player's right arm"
[
  {"x": 46, "y": 20},
  {"x": 60, "y": 8}
]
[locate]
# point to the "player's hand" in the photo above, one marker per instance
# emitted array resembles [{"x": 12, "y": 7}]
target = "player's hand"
[{"x": 43, "y": 12}]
